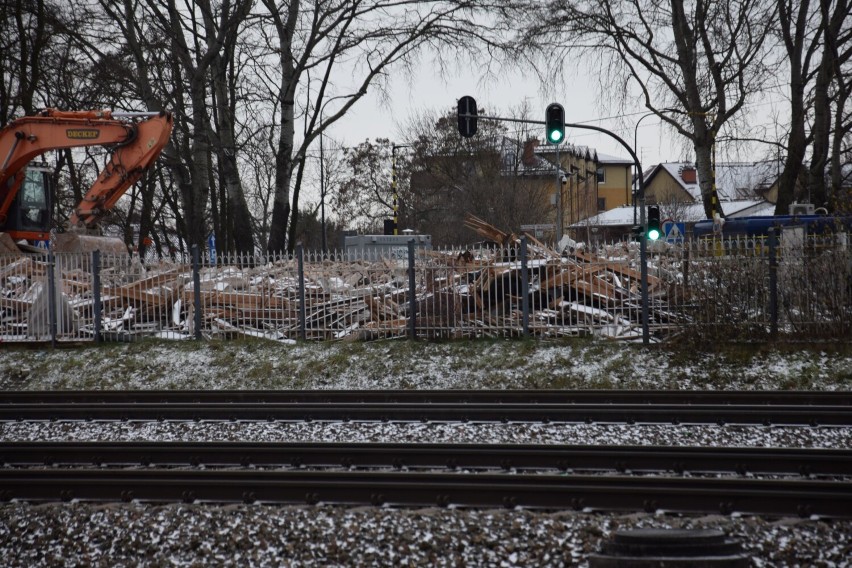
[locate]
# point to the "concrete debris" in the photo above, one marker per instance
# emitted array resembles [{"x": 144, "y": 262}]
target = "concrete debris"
[{"x": 474, "y": 292}]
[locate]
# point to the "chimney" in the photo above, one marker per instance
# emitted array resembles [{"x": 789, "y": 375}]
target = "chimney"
[
  {"x": 688, "y": 175},
  {"x": 528, "y": 157}
]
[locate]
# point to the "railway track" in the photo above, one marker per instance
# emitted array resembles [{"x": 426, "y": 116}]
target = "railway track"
[
  {"x": 544, "y": 396},
  {"x": 673, "y": 407},
  {"x": 579, "y": 492},
  {"x": 551, "y": 477},
  {"x": 774, "y": 461}
]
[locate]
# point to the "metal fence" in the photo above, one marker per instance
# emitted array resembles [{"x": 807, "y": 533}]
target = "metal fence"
[{"x": 746, "y": 288}]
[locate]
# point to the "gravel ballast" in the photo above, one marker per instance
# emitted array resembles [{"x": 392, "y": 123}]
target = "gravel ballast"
[
  {"x": 260, "y": 535},
  {"x": 87, "y": 534},
  {"x": 417, "y": 433}
]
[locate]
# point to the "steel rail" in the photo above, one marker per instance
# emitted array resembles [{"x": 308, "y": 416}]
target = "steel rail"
[
  {"x": 432, "y": 396},
  {"x": 778, "y": 461},
  {"x": 599, "y": 492},
  {"x": 814, "y": 415}
]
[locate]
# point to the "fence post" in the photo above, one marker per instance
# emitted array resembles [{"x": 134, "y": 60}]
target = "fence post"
[
  {"x": 525, "y": 288},
  {"x": 772, "y": 241},
  {"x": 300, "y": 255},
  {"x": 196, "y": 288},
  {"x": 412, "y": 293},
  {"x": 51, "y": 296},
  {"x": 96, "y": 292}
]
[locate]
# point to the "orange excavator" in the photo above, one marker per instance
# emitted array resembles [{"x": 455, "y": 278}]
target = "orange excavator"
[{"x": 26, "y": 208}]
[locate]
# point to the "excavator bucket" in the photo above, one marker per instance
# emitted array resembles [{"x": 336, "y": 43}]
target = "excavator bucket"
[{"x": 79, "y": 242}]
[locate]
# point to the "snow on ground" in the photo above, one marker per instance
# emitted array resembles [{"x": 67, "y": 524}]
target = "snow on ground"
[
  {"x": 401, "y": 364},
  {"x": 81, "y": 534}
]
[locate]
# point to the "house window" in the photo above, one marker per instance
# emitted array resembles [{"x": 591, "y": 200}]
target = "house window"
[
  {"x": 601, "y": 175},
  {"x": 601, "y": 203}
]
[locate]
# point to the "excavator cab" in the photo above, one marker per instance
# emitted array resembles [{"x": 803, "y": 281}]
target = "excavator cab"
[
  {"x": 30, "y": 219},
  {"x": 31, "y": 212}
]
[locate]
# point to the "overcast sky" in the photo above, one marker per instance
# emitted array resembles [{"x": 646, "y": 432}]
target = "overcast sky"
[
  {"x": 373, "y": 117},
  {"x": 429, "y": 91}
]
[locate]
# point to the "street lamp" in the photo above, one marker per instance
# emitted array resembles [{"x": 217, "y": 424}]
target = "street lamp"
[
  {"x": 635, "y": 143},
  {"x": 322, "y": 189},
  {"x": 322, "y": 182}
]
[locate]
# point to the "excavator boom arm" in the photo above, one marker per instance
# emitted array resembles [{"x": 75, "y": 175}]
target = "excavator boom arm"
[{"x": 136, "y": 146}]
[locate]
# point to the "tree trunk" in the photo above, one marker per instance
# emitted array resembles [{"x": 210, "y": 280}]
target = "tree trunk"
[
  {"x": 838, "y": 44},
  {"x": 704, "y": 166},
  {"x": 796, "y": 145},
  {"x": 703, "y": 136},
  {"x": 197, "y": 192},
  {"x": 841, "y": 129},
  {"x": 283, "y": 174},
  {"x": 284, "y": 152},
  {"x": 821, "y": 132},
  {"x": 238, "y": 216},
  {"x": 794, "y": 38},
  {"x": 294, "y": 221}
]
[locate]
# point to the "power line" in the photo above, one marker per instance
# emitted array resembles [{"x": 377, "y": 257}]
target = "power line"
[{"x": 629, "y": 114}]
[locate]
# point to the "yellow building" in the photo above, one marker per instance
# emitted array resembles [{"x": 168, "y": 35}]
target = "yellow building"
[
  {"x": 615, "y": 177},
  {"x": 526, "y": 185},
  {"x": 672, "y": 183},
  {"x": 677, "y": 182},
  {"x": 591, "y": 182}
]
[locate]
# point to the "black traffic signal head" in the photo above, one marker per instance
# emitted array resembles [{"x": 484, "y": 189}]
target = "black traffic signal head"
[
  {"x": 467, "y": 116},
  {"x": 654, "y": 231},
  {"x": 554, "y": 121}
]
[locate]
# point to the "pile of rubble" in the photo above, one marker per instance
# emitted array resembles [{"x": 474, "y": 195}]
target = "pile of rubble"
[{"x": 474, "y": 292}]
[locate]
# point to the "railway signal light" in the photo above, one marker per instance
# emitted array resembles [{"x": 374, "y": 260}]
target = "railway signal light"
[
  {"x": 467, "y": 116},
  {"x": 654, "y": 231},
  {"x": 636, "y": 233},
  {"x": 554, "y": 120}
]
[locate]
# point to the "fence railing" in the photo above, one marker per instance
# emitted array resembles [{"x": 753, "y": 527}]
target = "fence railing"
[{"x": 747, "y": 288}]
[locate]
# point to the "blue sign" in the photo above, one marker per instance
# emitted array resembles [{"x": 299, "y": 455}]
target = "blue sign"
[
  {"x": 674, "y": 232},
  {"x": 211, "y": 247}
]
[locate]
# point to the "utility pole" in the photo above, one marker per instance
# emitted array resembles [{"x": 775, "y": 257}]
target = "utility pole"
[
  {"x": 394, "y": 187},
  {"x": 558, "y": 200},
  {"x": 635, "y": 144},
  {"x": 322, "y": 193}
]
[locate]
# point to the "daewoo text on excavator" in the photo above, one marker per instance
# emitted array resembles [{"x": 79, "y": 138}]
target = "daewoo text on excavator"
[{"x": 135, "y": 139}]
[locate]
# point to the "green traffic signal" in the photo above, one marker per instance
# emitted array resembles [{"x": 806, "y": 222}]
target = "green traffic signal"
[
  {"x": 554, "y": 123},
  {"x": 654, "y": 231}
]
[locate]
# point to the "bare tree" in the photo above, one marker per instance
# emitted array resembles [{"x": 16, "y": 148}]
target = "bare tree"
[
  {"x": 364, "y": 198},
  {"x": 831, "y": 87},
  {"x": 233, "y": 72},
  {"x": 26, "y": 31},
  {"x": 329, "y": 37},
  {"x": 695, "y": 63},
  {"x": 799, "y": 27},
  {"x": 485, "y": 175},
  {"x": 183, "y": 60}
]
